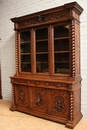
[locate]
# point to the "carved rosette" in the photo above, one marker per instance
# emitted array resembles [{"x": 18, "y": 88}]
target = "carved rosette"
[
  {"x": 71, "y": 106},
  {"x": 16, "y": 51},
  {"x": 73, "y": 48},
  {"x": 59, "y": 104},
  {"x": 38, "y": 99}
]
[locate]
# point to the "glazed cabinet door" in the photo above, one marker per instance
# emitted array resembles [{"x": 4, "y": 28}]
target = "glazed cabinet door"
[
  {"x": 61, "y": 49},
  {"x": 25, "y": 51}
]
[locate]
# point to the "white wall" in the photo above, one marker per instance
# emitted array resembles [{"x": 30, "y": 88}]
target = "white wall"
[{"x": 14, "y": 8}]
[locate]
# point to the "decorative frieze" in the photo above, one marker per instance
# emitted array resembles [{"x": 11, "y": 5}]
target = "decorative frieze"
[{"x": 43, "y": 18}]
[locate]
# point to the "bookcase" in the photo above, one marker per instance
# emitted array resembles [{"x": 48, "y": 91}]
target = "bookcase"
[{"x": 47, "y": 82}]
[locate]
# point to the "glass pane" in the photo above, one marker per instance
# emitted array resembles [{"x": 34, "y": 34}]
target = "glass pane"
[
  {"x": 61, "y": 57},
  {"x": 42, "y": 46},
  {"x": 25, "y": 58},
  {"x": 25, "y": 63},
  {"x": 61, "y": 49},
  {"x": 62, "y": 68},
  {"x": 25, "y": 48},
  {"x": 25, "y": 36},
  {"x": 61, "y": 45},
  {"x": 61, "y": 31},
  {"x": 42, "y": 63},
  {"x": 41, "y": 34},
  {"x": 25, "y": 67}
]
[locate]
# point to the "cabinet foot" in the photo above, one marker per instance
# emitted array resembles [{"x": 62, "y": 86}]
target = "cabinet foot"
[
  {"x": 12, "y": 108},
  {"x": 73, "y": 123}
]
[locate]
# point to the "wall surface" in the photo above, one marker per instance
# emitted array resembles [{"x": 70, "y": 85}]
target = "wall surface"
[{"x": 16, "y": 8}]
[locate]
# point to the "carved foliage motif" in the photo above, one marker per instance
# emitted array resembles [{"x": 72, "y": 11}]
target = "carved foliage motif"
[
  {"x": 44, "y": 18},
  {"x": 22, "y": 97},
  {"x": 38, "y": 99},
  {"x": 34, "y": 82},
  {"x": 59, "y": 104}
]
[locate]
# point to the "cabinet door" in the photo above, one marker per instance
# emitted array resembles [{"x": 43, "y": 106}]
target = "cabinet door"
[
  {"x": 39, "y": 99},
  {"x": 59, "y": 105},
  {"x": 25, "y": 51},
  {"x": 61, "y": 49},
  {"x": 21, "y": 95}
]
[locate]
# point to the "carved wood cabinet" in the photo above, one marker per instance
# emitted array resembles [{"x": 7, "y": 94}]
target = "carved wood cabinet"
[{"x": 47, "y": 82}]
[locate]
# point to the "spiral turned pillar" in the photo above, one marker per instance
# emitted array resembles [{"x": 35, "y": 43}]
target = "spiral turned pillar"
[
  {"x": 71, "y": 106},
  {"x": 16, "y": 51},
  {"x": 73, "y": 48}
]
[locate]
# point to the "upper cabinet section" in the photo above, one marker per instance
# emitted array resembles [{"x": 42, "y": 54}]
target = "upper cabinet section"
[{"x": 62, "y": 13}]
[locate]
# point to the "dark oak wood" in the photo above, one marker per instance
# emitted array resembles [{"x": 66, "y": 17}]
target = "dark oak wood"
[{"x": 47, "y": 82}]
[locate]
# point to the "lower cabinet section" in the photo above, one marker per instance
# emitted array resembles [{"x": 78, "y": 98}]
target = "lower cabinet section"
[{"x": 60, "y": 103}]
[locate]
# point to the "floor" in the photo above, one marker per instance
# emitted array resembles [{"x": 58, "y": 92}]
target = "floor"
[{"x": 19, "y": 121}]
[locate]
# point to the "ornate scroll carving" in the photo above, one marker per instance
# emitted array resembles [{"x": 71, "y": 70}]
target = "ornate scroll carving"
[
  {"x": 40, "y": 18},
  {"x": 73, "y": 48},
  {"x": 45, "y": 18},
  {"x": 59, "y": 104},
  {"x": 38, "y": 99},
  {"x": 22, "y": 97}
]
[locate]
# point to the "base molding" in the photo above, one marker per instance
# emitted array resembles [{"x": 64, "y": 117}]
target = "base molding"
[{"x": 71, "y": 124}]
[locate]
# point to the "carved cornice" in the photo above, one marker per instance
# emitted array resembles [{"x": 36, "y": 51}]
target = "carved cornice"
[{"x": 44, "y": 18}]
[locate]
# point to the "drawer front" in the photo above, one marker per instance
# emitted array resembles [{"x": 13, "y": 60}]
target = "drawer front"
[
  {"x": 59, "y": 103},
  {"x": 21, "y": 95},
  {"x": 39, "y": 99}
]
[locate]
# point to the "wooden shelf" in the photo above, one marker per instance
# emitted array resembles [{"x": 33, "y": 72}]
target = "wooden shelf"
[
  {"x": 24, "y": 42},
  {"x": 61, "y": 38}
]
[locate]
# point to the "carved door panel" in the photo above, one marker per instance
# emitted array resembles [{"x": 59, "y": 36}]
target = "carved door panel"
[
  {"x": 39, "y": 99},
  {"x": 21, "y": 98},
  {"x": 59, "y": 105}
]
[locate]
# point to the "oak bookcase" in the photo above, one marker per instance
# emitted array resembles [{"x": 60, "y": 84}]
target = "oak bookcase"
[{"x": 47, "y": 82}]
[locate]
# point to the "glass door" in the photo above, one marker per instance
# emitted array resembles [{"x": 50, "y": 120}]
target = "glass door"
[
  {"x": 42, "y": 50},
  {"x": 61, "y": 49},
  {"x": 25, "y": 52}
]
